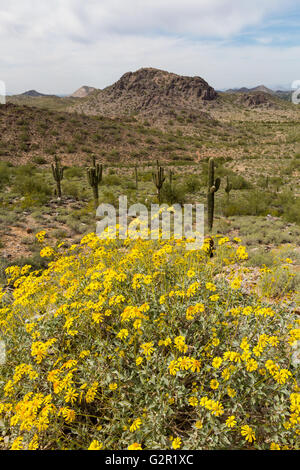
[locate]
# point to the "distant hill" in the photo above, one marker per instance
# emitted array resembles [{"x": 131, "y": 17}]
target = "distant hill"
[
  {"x": 33, "y": 94},
  {"x": 237, "y": 90},
  {"x": 149, "y": 92},
  {"x": 260, "y": 88},
  {"x": 263, "y": 89},
  {"x": 83, "y": 92},
  {"x": 282, "y": 94}
]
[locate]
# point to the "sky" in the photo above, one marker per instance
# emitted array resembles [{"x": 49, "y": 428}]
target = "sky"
[{"x": 56, "y": 46}]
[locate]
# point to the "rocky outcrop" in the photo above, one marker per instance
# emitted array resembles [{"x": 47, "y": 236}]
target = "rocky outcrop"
[
  {"x": 160, "y": 84},
  {"x": 151, "y": 92},
  {"x": 256, "y": 99}
]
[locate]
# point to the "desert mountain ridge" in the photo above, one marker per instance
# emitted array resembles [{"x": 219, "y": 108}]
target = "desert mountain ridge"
[
  {"x": 158, "y": 96},
  {"x": 34, "y": 94},
  {"x": 259, "y": 88},
  {"x": 279, "y": 93}
]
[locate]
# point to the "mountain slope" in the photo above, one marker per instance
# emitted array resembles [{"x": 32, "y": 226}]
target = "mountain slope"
[{"x": 31, "y": 134}]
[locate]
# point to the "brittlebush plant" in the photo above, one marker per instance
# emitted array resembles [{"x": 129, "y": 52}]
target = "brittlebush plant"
[{"x": 140, "y": 344}]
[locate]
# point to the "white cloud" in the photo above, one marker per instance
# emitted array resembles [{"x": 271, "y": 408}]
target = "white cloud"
[
  {"x": 264, "y": 40},
  {"x": 58, "y": 45},
  {"x": 89, "y": 19}
]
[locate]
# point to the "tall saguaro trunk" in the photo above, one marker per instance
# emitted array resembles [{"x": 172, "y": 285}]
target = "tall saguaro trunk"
[
  {"x": 136, "y": 178},
  {"x": 159, "y": 179},
  {"x": 213, "y": 186},
  {"x": 228, "y": 188},
  {"x": 58, "y": 174},
  {"x": 94, "y": 174}
]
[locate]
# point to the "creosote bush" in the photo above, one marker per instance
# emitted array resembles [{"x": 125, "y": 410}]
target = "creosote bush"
[{"x": 145, "y": 345}]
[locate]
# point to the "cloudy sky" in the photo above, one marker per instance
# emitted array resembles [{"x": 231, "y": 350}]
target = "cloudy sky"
[{"x": 55, "y": 46}]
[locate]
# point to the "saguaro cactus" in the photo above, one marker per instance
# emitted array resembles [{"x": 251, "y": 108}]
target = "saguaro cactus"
[
  {"x": 228, "y": 188},
  {"x": 58, "y": 174},
  {"x": 267, "y": 182},
  {"x": 94, "y": 174},
  {"x": 171, "y": 178},
  {"x": 136, "y": 178},
  {"x": 159, "y": 179},
  {"x": 213, "y": 186}
]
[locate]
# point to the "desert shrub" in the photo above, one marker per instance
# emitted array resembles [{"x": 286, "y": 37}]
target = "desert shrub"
[
  {"x": 77, "y": 226},
  {"x": 113, "y": 156},
  {"x": 276, "y": 183},
  {"x": 175, "y": 157},
  {"x": 128, "y": 184},
  {"x": 292, "y": 210},
  {"x": 257, "y": 202},
  {"x": 5, "y": 173},
  {"x": 74, "y": 172},
  {"x": 24, "y": 137},
  {"x": 39, "y": 160},
  {"x": 175, "y": 194},
  {"x": 147, "y": 176},
  {"x": 278, "y": 281},
  {"x": 112, "y": 180},
  {"x": 60, "y": 234},
  {"x": 71, "y": 147},
  {"x": 260, "y": 257},
  {"x": 254, "y": 203},
  {"x": 25, "y": 170},
  {"x": 70, "y": 188},
  {"x": 126, "y": 343},
  {"x": 33, "y": 188},
  {"x": 51, "y": 150},
  {"x": 239, "y": 182},
  {"x": 108, "y": 197},
  {"x": 192, "y": 183}
]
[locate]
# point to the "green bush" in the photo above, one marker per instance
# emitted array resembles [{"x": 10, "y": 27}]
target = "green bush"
[
  {"x": 112, "y": 180},
  {"x": 175, "y": 194},
  {"x": 70, "y": 188},
  {"x": 192, "y": 184},
  {"x": 39, "y": 160},
  {"x": 74, "y": 172},
  {"x": 5, "y": 174},
  {"x": 253, "y": 203},
  {"x": 32, "y": 188}
]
